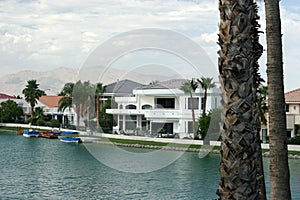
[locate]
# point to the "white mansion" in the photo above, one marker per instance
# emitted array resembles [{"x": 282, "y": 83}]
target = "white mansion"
[{"x": 162, "y": 105}]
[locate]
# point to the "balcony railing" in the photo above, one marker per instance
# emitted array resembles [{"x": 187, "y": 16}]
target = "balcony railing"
[{"x": 155, "y": 113}]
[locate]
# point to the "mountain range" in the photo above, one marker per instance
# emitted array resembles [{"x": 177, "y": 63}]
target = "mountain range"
[{"x": 52, "y": 81}]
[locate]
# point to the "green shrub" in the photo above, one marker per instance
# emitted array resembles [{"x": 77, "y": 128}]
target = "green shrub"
[
  {"x": 54, "y": 123},
  {"x": 294, "y": 140}
]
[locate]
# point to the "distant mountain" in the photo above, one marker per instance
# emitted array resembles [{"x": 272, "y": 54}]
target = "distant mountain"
[{"x": 52, "y": 81}]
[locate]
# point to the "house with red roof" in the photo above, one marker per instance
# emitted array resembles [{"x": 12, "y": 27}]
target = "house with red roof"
[
  {"x": 292, "y": 100},
  {"x": 50, "y": 106}
]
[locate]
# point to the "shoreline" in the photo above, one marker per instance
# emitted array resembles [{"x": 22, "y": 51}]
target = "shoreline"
[{"x": 161, "y": 145}]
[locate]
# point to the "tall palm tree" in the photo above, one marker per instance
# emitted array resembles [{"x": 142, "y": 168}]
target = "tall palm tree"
[
  {"x": 279, "y": 167},
  {"x": 240, "y": 51},
  {"x": 32, "y": 93},
  {"x": 189, "y": 87},
  {"x": 206, "y": 84},
  {"x": 100, "y": 89}
]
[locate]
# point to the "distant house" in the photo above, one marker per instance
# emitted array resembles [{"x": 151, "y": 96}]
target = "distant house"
[
  {"x": 163, "y": 105},
  {"x": 21, "y": 102},
  {"x": 50, "y": 106},
  {"x": 292, "y": 100}
]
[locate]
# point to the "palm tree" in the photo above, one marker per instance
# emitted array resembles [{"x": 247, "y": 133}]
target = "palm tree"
[
  {"x": 238, "y": 66},
  {"x": 32, "y": 93},
  {"x": 100, "y": 89},
  {"x": 189, "y": 87},
  {"x": 66, "y": 101},
  {"x": 279, "y": 167},
  {"x": 206, "y": 83}
]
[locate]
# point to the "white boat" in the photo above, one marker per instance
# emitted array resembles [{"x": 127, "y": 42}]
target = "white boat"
[{"x": 31, "y": 133}]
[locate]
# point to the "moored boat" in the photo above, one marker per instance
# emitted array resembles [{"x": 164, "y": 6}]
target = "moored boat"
[
  {"x": 71, "y": 139},
  {"x": 31, "y": 133},
  {"x": 69, "y": 134},
  {"x": 49, "y": 135}
]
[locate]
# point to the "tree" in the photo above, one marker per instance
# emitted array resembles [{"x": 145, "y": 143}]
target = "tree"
[
  {"x": 67, "y": 93},
  {"x": 279, "y": 167},
  {"x": 100, "y": 89},
  {"x": 189, "y": 87},
  {"x": 238, "y": 66},
  {"x": 10, "y": 111},
  {"x": 206, "y": 83},
  {"x": 32, "y": 93}
]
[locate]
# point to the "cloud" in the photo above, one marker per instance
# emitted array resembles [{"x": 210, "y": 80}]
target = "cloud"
[{"x": 49, "y": 34}]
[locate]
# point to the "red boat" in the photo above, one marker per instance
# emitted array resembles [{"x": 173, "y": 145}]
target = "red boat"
[{"x": 49, "y": 135}]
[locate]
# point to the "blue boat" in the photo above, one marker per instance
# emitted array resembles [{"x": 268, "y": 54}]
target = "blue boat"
[
  {"x": 69, "y": 134},
  {"x": 71, "y": 139},
  {"x": 31, "y": 133}
]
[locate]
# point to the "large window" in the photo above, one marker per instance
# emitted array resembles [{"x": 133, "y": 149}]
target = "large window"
[
  {"x": 165, "y": 103},
  {"x": 195, "y": 102},
  {"x": 156, "y": 126}
]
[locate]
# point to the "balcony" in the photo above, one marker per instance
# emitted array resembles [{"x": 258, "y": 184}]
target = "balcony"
[{"x": 156, "y": 113}]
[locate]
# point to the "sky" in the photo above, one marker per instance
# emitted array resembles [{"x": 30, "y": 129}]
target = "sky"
[{"x": 46, "y": 34}]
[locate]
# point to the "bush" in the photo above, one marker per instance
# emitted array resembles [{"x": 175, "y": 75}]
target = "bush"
[
  {"x": 54, "y": 123},
  {"x": 40, "y": 122},
  {"x": 294, "y": 140}
]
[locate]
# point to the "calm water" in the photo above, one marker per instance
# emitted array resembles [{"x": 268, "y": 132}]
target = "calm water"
[{"x": 37, "y": 168}]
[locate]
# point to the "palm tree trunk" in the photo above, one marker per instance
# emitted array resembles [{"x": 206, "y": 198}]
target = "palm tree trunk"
[
  {"x": 193, "y": 114},
  {"x": 240, "y": 50},
  {"x": 97, "y": 111},
  {"x": 279, "y": 168},
  {"x": 204, "y": 101}
]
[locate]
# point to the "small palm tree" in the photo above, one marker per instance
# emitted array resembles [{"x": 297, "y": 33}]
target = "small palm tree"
[
  {"x": 189, "y": 87},
  {"x": 206, "y": 84},
  {"x": 32, "y": 93}
]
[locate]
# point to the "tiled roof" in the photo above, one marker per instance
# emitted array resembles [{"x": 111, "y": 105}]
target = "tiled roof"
[
  {"x": 122, "y": 87},
  {"x": 5, "y": 96},
  {"x": 50, "y": 101},
  {"x": 293, "y": 96},
  {"x": 169, "y": 84}
]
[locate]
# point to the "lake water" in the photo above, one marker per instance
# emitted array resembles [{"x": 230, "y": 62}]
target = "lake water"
[{"x": 37, "y": 168}]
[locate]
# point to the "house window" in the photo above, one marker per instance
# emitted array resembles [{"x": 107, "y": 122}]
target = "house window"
[
  {"x": 130, "y": 106},
  {"x": 195, "y": 102},
  {"x": 202, "y": 103},
  {"x": 287, "y": 107},
  {"x": 146, "y": 107},
  {"x": 289, "y": 133},
  {"x": 190, "y": 127},
  {"x": 165, "y": 103},
  {"x": 131, "y": 122}
]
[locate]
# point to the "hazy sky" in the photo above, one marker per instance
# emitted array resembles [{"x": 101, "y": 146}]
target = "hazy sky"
[{"x": 46, "y": 34}]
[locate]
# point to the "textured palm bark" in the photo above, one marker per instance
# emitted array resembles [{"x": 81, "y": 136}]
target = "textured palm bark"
[
  {"x": 279, "y": 169},
  {"x": 240, "y": 50}
]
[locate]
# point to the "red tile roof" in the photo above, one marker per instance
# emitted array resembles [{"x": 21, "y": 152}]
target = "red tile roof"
[
  {"x": 293, "y": 96},
  {"x": 5, "y": 96},
  {"x": 50, "y": 101}
]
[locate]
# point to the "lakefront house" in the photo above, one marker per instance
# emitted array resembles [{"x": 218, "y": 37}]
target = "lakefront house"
[{"x": 161, "y": 106}]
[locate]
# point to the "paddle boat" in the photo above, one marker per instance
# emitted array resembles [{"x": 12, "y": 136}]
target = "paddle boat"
[
  {"x": 31, "y": 133},
  {"x": 71, "y": 139}
]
